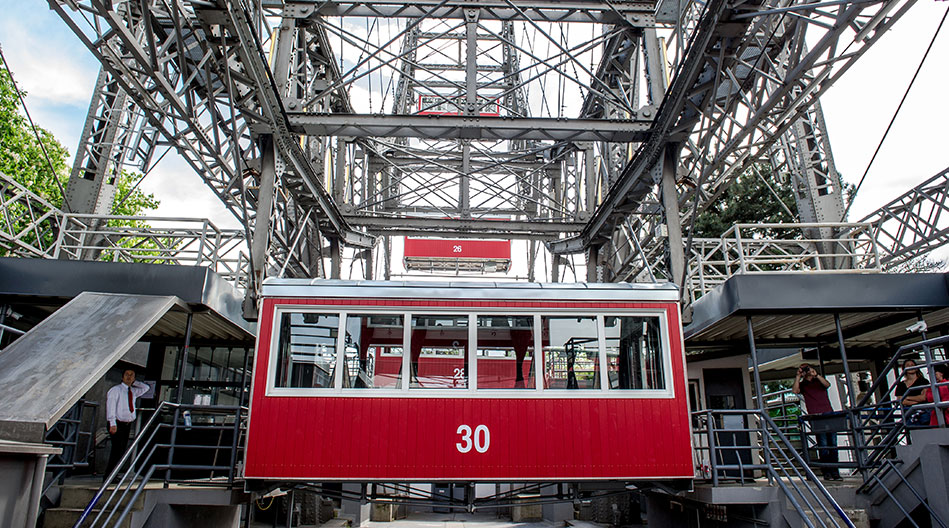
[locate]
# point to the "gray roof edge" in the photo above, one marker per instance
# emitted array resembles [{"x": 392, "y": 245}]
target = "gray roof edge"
[
  {"x": 818, "y": 293},
  {"x": 665, "y": 292},
  {"x": 65, "y": 279},
  {"x": 225, "y": 300}
]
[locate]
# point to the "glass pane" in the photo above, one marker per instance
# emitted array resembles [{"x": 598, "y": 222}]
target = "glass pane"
[
  {"x": 373, "y": 348},
  {"x": 571, "y": 353},
  {"x": 439, "y": 352},
  {"x": 306, "y": 351},
  {"x": 505, "y": 352},
  {"x": 634, "y": 353}
]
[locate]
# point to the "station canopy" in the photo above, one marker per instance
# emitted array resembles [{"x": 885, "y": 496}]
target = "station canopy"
[{"x": 797, "y": 310}]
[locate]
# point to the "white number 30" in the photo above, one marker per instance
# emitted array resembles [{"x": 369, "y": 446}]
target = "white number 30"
[{"x": 482, "y": 439}]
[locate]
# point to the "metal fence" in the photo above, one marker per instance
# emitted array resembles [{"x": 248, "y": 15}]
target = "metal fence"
[
  {"x": 31, "y": 226},
  {"x": 770, "y": 248}
]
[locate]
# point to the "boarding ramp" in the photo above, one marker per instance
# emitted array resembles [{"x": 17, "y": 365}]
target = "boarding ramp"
[{"x": 47, "y": 370}]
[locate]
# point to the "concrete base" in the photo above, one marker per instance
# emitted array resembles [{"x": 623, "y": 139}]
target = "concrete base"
[
  {"x": 358, "y": 512},
  {"x": 527, "y": 512},
  {"x": 22, "y": 467}
]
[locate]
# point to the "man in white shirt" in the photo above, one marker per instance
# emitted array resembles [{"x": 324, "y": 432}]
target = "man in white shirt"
[{"x": 120, "y": 413}]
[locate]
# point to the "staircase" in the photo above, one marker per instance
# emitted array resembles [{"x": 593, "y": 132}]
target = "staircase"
[
  {"x": 74, "y": 498},
  {"x": 912, "y": 487}
]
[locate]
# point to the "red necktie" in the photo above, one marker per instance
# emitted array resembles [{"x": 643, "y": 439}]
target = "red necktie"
[{"x": 131, "y": 406}]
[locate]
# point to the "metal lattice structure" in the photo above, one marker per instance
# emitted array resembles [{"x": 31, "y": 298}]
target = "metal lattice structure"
[
  {"x": 583, "y": 127},
  {"x": 32, "y": 227}
]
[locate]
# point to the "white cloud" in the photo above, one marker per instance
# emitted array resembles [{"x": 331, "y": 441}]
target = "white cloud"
[
  {"x": 859, "y": 107},
  {"x": 50, "y": 70},
  {"x": 183, "y": 194}
]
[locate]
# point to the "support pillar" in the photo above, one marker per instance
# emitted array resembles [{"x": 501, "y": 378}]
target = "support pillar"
[
  {"x": 759, "y": 395},
  {"x": 336, "y": 258},
  {"x": 851, "y": 395},
  {"x": 593, "y": 269},
  {"x": 265, "y": 198},
  {"x": 339, "y": 176},
  {"x": 670, "y": 204},
  {"x": 183, "y": 364}
]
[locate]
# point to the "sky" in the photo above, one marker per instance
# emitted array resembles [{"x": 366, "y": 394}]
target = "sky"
[{"x": 59, "y": 73}]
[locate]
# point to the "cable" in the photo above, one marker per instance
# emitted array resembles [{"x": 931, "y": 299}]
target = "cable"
[
  {"x": 36, "y": 133},
  {"x": 893, "y": 119}
]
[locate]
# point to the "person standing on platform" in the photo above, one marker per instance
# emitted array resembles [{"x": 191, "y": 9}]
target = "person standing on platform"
[
  {"x": 120, "y": 413},
  {"x": 813, "y": 387}
]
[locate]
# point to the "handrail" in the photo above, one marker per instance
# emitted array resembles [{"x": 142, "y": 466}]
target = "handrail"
[
  {"x": 132, "y": 448},
  {"x": 136, "y": 463},
  {"x": 810, "y": 473},
  {"x": 881, "y": 378},
  {"x": 783, "y": 465}
]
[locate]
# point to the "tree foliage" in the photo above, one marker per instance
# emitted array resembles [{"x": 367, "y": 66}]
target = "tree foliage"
[
  {"x": 748, "y": 201},
  {"x": 21, "y": 155},
  {"x": 22, "y": 158}
]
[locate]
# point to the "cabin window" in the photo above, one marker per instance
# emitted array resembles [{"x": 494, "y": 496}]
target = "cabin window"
[
  {"x": 373, "y": 351},
  {"x": 571, "y": 352},
  {"x": 505, "y": 352},
  {"x": 634, "y": 352},
  {"x": 439, "y": 352},
  {"x": 306, "y": 351}
]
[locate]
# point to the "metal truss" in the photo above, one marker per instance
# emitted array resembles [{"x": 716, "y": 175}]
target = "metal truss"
[
  {"x": 189, "y": 75},
  {"x": 913, "y": 224},
  {"x": 733, "y": 96},
  {"x": 322, "y": 125},
  {"x": 115, "y": 137}
]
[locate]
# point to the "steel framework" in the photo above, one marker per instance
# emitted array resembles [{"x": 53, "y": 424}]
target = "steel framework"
[{"x": 601, "y": 128}]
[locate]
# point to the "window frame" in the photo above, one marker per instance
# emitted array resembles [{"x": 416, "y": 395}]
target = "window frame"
[{"x": 604, "y": 392}]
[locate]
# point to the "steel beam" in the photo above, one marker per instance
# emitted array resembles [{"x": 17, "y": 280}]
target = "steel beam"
[
  {"x": 469, "y": 127},
  {"x": 595, "y": 11}
]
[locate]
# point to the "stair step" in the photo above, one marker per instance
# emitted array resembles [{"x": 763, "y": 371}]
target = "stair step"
[
  {"x": 81, "y": 496},
  {"x": 67, "y": 517}
]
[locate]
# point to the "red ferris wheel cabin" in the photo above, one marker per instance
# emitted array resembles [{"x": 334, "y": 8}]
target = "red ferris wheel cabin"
[{"x": 496, "y": 382}]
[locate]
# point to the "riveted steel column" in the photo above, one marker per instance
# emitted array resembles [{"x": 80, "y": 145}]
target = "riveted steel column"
[{"x": 265, "y": 198}]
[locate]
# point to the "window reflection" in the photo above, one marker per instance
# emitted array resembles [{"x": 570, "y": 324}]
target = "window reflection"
[
  {"x": 634, "y": 352},
  {"x": 373, "y": 351},
  {"x": 306, "y": 351},
  {"x": 571, "y": 353},
  {"x": 505, "y": 352},
  {"x": 439, "y": 352}
]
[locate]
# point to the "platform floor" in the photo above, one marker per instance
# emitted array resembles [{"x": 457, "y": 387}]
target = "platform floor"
[{"x": 451, "y": 520}]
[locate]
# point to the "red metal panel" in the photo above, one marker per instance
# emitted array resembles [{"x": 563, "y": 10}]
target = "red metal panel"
[
  {"x": 444, "y": 248},
  {"x": 396, "y": 438}
]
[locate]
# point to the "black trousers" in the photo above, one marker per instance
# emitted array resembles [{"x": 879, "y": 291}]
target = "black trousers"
[{"x": 120, "y": 442}]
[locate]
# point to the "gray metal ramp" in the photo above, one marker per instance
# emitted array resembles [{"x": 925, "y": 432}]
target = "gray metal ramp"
[{"x": 49, "y": 368}]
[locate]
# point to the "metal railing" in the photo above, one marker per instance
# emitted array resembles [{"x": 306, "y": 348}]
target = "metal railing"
[
  {"x": 170, "y": 444},
  {"x": 785, "y": 408},
  {"x": 743, "y": 444},
  {"x": 74, "y": 433},
  {"x": 31, "y": 226},
  {"x": 769, "y": 248},
  {"x": 154, "y": 240}
]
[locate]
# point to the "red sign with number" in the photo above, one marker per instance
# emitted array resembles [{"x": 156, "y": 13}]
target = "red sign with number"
[{"x": 443, "y": 248}]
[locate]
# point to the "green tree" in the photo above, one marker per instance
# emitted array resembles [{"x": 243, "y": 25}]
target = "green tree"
[
  {"x": 748, "y": 201},
  {"x": 22, "y": 159},
  {"x": 21, "y": 155}
]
